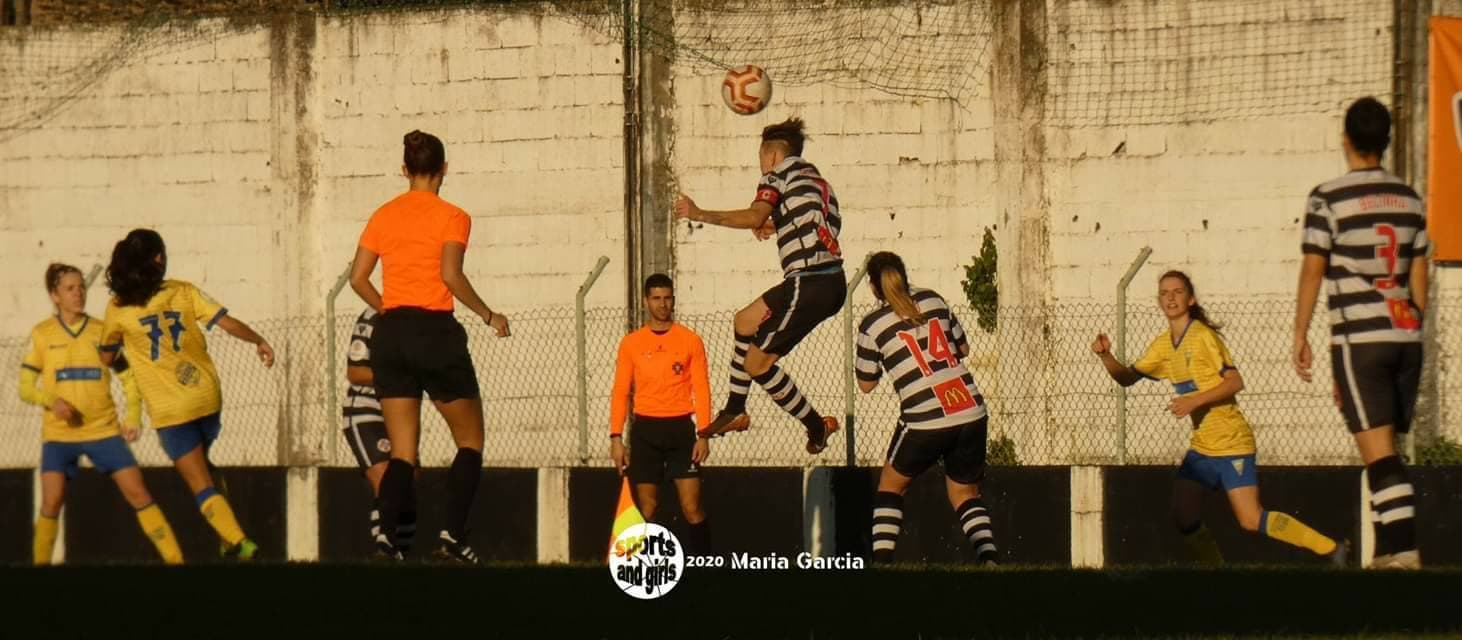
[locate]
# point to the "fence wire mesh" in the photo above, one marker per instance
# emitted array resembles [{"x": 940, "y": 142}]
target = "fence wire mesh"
[{"x": 1050, "y": 400}]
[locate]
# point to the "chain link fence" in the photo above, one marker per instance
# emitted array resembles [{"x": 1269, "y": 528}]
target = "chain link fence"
[{"x": 1051, "y": 402}]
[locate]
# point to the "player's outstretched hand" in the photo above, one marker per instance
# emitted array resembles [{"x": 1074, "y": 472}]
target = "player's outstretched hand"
[
  {"x": 1102, "y": 345},
  {"x": 766, "y": 230},
  {"x": 499, "y": 324},
  {"x": 618, "y": 454},
  {"x": 1304, "y": 361},
  {"x": 685, "y": 208},
  {"x": 701, "y": 451},
  {"x": 266, "y": 353}
]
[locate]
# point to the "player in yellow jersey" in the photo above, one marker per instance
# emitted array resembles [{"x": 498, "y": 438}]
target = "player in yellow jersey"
[
  {"x": 1192, "y": 357},
  {"x": 63, "y": 374},
  {"x": 158, "y": 325}
]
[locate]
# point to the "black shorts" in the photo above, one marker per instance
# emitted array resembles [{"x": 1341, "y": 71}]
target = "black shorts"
[
  {"x": 1376, "y": 383},
  {"x": 796, "y": 307},
  {"x": 415, "y": 351},
  {"x": 961, "y": 449},
  {"x": 367, "y": 441},
  {"x": 661, "y": 448}
]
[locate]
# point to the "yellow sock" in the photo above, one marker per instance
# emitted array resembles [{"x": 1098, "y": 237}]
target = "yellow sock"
[
  {"x": 155, "y": 525},
  {"x": 217, "y": 512},
  {"x": 1285, "y": 528},
  {"x": 43, "y": 545},
  {"x": 1201, "y": 547}
]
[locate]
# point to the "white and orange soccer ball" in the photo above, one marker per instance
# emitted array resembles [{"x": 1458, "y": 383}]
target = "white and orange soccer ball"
[{"x": 747, "y": 89}]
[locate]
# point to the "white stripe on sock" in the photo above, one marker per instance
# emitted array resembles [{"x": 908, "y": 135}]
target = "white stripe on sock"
[
  {"x": 981, "y": 535},
  {"x": 1392, "y": 493},
  {"x": 885, "y": 528},
  {"x": 974, "y": 522},
  {"x": 1399, "y": 513},
  {"x": 988, "y": 546},
  {"x": 883, "y": 545},
  {"x": 888, "y": 512}
]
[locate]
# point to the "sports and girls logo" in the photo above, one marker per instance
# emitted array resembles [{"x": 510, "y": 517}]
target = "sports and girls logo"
[{"x": 647, "y": 561}]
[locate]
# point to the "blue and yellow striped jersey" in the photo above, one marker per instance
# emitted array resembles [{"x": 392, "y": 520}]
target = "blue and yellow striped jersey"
[
  {"x": 1193, "y": 363},
  {"x": 163, "y": 342},
  {"x": 70, "y": 368}
]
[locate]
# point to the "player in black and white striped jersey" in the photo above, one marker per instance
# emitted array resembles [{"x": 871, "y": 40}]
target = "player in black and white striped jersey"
[
  {"x": 1365, "y": 237},
  {"x": 796, "y": 205},
  {"x": 918, "y": 341},
  {"x": 365, "y": 432}
]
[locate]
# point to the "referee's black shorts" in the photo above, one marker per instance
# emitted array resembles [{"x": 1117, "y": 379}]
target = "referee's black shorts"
[
  {"x": 415, "y": 351},
  {"x": 1376, "y": 383},
  {"x": 796, "y": 307},
  {"x": 660, "y": 448}
]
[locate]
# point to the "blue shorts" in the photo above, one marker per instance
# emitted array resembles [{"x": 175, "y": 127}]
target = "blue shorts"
[
  {"x": 107, "y": 455},
  {"x": 177, "y": 441},
  {"x": 1214, "y": 472}
]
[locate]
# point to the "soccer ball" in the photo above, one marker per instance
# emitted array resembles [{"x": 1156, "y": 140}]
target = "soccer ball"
[{"x": 747, "y": 89}]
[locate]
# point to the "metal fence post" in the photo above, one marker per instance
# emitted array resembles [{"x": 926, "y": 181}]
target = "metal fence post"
[
  {"x": 1120, "y": 349},
  {"x": 332, "y": 400},
  {"x": 90, "y": 278},
  {"x": 582, "y": 355},
  {"x": 850, "y": 391}
]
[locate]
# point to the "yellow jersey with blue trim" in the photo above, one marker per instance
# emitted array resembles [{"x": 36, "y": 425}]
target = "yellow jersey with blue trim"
[
  {"x": 164, "y": 344},
  {"x": 70, "y": 367},
  {"x": 1195, "y": 362}
]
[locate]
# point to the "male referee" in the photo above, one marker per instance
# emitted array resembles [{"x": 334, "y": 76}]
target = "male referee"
[{"x": 665, "y": 364}]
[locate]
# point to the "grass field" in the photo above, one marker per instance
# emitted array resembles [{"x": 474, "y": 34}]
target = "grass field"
[{"x": 509, "y": 601}]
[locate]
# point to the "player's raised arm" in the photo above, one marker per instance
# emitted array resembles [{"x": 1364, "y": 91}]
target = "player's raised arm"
[
  {"x": 1123, "y": 374},
  {"x": 754, "y": 216}
]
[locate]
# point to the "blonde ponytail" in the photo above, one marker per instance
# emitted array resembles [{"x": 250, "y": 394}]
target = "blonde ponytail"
[{"x": 896, "y": 293}]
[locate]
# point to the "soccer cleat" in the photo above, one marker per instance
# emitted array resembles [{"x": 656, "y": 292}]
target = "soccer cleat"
[
  {"x": 817, "y": 439},
  {"x": 1402, "y": 560},
  {"x": 387, "y": 551},
  {"x": 455, "y": 551},
  {"x": 243, "y": 551},
  {"x": 1340, "y": 557},
  {"x": 725, "y": 423}
]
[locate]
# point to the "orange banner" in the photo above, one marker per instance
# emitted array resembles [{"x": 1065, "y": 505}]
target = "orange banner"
[{"x": 1444, "y": 146}]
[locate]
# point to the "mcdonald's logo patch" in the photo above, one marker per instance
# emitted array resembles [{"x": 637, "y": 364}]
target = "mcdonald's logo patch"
[{"x": 954, "y": 396}]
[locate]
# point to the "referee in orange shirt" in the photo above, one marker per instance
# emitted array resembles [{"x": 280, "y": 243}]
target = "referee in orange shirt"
[
  {"x": 418, "y": 346},
  {"x": 665, "y": 365}
]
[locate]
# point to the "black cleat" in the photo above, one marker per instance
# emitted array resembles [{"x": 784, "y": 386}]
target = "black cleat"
[
  {"x": 455, "y": 551},
  {"x": 1340, "y": 557},
  {"x": 817, "y": 438}
]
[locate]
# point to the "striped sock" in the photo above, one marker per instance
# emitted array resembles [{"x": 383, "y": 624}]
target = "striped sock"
[
  {"x": 975, "y": 521},
  {"x": 785, "y": 393},
  {"x": 888, "y": 519},
  {"x": 740, "y": 380},
  {"x": 1286, "y": 528},
  {"x": 1393, "y": 506},
  {"x": 155, "y": 526},
  {"x": 375, "y": 518},
  {"x": 43, "y": 544}
]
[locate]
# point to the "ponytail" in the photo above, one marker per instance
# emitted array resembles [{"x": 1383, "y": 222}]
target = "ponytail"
[
  {"x": 134, "y": 274},
  {"x": 891, "y": 285}
]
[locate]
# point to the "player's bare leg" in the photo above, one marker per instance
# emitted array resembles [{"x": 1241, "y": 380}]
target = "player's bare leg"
[
  {"x": 688, "y": 490},
  {"x": 647, "y": 499},
  {"x": 1254, "y": 518},
  {"x": 1187, "y": 512},
  {"x": 1393, "y": 500},
  {"x": 464, "y": 418},
  {"x": 733, "y": 416}
]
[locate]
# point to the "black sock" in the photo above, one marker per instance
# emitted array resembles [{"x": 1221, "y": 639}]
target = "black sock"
[
  {"x": 740, "y": 380},
  {"x": 785, "y": 393},
  {"x": 375, "y": 518},
  {"x": 462, "y": 482},
  {"x": 698, "y": 543},
  {"x": 974, "y": 520},
  {"x": 1393, "y": 506},
  {"x": 888, "y": 521},
  {"x": 406, "y": 526},
  {"x": 396, "y": 489}
]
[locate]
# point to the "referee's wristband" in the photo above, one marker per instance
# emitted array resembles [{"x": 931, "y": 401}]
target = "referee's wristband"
[
  {"x": 615, "y": 436},
  {"x": 490, "y": 314}
]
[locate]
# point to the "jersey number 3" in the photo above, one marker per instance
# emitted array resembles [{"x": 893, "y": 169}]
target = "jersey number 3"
[
  {"x": 154, "y": 331},
  {"x": 1403, "y": 316}
]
